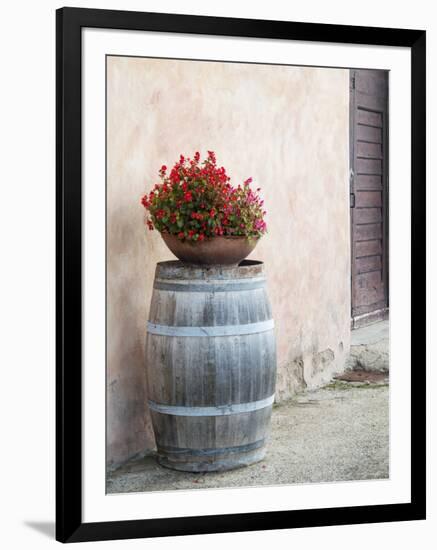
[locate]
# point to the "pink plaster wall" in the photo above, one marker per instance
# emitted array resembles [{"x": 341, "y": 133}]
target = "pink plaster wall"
[{"x": 287, "y": 128}]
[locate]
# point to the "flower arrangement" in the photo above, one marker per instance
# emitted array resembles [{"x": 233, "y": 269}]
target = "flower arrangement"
[{"x": 195, "y": 201}]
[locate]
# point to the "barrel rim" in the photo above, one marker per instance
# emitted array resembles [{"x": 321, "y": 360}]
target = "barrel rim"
[
  {"x": 204, "y": 411},
  {"x": 175, "y": 269}
]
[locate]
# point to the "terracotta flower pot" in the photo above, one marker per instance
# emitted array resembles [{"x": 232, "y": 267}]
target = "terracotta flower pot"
[{"x": 212, "y": 251}]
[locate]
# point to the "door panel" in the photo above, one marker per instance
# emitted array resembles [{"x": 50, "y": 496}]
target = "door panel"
[
  {"x": 366, "y": 232},
  {"x": 366, "y": 150},
  {"x": 368, "y": 264},
  {"x": 369, "y": 194},
  {"x": 362, "y": 183},
  {"x": 368, "y": 248},
  {"x": 368, "y": 215},
  {"x": 368, "y": 199},
  {"x": 369, "y": 133},
  {"x": 369, "y": 118}
]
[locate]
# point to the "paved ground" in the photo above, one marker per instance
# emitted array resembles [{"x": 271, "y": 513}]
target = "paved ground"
[
  {"x": 370, "y": 348},
  {"x": 371, "y": 334},
  {"x": 336, "y": 433}
]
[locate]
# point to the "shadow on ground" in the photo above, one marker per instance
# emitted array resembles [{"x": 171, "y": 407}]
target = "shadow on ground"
[{"x": 46, "y": 528}]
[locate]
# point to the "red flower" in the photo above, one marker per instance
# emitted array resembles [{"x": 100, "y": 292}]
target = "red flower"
[
  {"x": 197, "y": 196},
  {"x": 174, "y": 176},
  {"x": 211, "y": 157}
]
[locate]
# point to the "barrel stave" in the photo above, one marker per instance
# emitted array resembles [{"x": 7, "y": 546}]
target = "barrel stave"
[
  {"x": 211, "y": 432},
  {"x": 199, "y": 309},
  {"x": 201, "y": 371}
]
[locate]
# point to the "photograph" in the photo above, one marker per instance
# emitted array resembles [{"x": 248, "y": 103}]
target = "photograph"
[
  {"x": 247, "y": 274},
  {"x": 216, "y": 272}
]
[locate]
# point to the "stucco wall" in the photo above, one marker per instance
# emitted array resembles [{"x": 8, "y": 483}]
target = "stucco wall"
[{"x": 287, "y": 127}]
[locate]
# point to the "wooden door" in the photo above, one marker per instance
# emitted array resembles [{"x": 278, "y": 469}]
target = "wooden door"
[{"x": 369, "y": 195}]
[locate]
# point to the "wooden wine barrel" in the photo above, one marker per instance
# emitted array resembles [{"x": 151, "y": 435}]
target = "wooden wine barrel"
[{"x": 211, "y": 365}]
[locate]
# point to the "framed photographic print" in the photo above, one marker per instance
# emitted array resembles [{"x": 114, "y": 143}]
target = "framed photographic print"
[{"x": 240, "y": 274}]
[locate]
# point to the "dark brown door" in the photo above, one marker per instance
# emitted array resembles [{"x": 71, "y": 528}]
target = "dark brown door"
[{"x": 369, "y": 195}]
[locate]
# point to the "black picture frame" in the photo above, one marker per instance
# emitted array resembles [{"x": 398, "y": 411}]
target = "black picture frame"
[{"x": 69, "y": 525}]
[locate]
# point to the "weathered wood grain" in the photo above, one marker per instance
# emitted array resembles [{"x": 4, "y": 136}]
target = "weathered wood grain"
[
  {"x": 367, "y": 182},
  {"x": 368, "y": 264},
  {"x": 370, "y": 199},
  {"x": 368, "y": 248},
  {"x": 369, "y": 133},
  {"x": 369, "y": 186},
  {"x": 372, "y": 83},
  {"x": 365, "y": 149},
  {"x": 370, "y": 118},
  {"x": 211, "y": 344},
  {"x": 368, "y": 167},
  {"x": 366, "y": 232},
  {"x": 368, "y": 215}
]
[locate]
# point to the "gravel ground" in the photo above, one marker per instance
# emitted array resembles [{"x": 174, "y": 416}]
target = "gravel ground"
[{"x": 337, "y": 433}]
